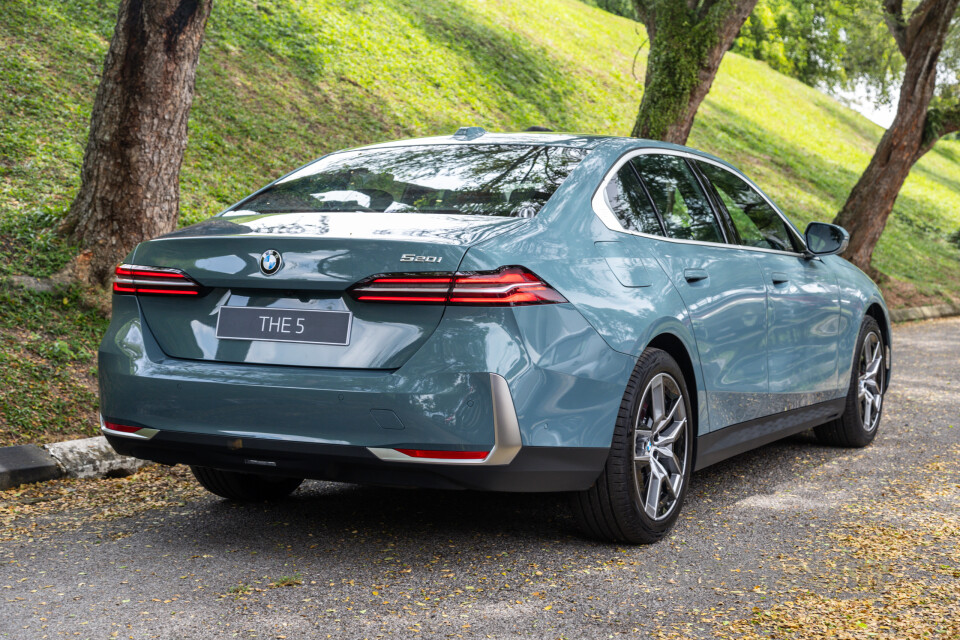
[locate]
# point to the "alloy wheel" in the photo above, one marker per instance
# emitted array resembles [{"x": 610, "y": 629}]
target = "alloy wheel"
[
  {"x": 660, "y": 448},
  {"x": 870, "y": 381}
]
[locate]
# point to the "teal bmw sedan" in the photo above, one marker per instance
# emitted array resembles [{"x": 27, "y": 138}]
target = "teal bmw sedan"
[{"x": 594, "y": 315}]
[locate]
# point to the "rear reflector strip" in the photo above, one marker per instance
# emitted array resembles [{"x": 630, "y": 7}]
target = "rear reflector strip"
[
  {"x": 122, "y": 428},
  {"x": 127, "y": 431},
  {"x": 139, "y": 280},
  {"x": 444, "y": 455},
  {"x": 505, "y": 287}
]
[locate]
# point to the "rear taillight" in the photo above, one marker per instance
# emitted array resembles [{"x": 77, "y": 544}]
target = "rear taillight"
[
  {"x": 139, "y": 280},
  {"x": 505, "y": 287}
]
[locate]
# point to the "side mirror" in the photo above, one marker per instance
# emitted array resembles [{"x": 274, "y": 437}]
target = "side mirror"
[{"x": 826, "y": 239}]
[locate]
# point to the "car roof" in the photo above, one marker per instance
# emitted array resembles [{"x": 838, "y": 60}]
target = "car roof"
[{"x": 558, "y": 139}]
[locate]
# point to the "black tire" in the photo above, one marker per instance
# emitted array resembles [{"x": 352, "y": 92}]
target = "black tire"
[
  {"x": 615, "y": 507},
  {"x": 850, "y": 430},
  {"x": 244, "y": 487}
]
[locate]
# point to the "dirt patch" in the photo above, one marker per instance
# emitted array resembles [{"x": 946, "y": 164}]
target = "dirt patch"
[{"x": 903, "y": 295}]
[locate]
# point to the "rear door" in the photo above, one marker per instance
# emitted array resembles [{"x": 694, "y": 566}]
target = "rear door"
[
  {"x": 720, "y": 284},
  {"x": 803, "y": 310}
]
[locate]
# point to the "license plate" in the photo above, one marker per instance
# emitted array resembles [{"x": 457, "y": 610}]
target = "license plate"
[{"x": 284, "y": 325}]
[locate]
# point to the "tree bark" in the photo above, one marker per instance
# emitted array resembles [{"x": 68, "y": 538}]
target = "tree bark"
[
  {"x": 130, "y": 180},
  {"x": 687, "y": 41},
  {"x": 915, "y": 129}
]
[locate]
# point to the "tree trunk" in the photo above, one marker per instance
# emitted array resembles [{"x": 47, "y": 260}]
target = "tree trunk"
[
  {"x": 130, "y": 180},
  {"x": 912, "y": 133},
  {"x": 687, "y": 43}
]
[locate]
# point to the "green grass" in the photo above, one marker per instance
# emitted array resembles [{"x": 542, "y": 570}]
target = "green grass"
[
  {"x": 47, "y": 366},
  {"x": 283, "y": 81}
]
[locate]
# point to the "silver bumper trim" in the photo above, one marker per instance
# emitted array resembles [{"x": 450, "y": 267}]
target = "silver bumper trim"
[
  {"x": 142, "y": 434},
  {"x": 506, "y": 433}
]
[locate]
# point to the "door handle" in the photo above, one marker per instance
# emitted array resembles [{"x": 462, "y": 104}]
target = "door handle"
[
  {"x": 694, "y": 275},
  {"x": 779, "y": 278}
]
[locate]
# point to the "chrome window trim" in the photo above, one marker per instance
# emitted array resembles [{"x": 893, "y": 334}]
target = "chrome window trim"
[{"x": 610, "y": 221}]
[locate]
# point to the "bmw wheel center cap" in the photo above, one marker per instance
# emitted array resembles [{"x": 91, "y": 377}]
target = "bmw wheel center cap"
[{"x": 270, "y": 262}]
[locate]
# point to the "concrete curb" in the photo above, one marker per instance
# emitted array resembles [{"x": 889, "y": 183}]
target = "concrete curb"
[
  {"x": 26, "y": 463},
  {"x": 925, "y": 313},
  {"x": 91, "y": 458},
  {"x": 85, "y": 458}
]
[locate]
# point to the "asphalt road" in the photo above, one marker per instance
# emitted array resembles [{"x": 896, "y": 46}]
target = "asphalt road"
[{"x": 794, "y": 538}]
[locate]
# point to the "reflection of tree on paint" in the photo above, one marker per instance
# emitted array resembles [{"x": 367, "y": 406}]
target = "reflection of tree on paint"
[{"x": 492, "y": 180}]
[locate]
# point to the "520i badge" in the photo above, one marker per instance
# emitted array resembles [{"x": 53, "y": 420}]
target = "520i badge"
[{"x": 412, "y": 257}]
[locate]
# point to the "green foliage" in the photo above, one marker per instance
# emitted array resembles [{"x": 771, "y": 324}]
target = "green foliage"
[
  {"x": 48, "y": 347},
  {"x": 831, "y": 44}
]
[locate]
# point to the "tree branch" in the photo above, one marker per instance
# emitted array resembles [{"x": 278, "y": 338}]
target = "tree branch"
[
  {"x": 938, "y": 122},
  {"x": 893, "y": 16},
  {"x": 927, "y": 9},
  {"x": 644, "y": 12},
  {"x": 703, "y": 9},
  {"x": 728, "y": 17}
]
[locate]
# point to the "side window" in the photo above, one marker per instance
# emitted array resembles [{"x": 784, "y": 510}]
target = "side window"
[
  {"x": 627, "y": 200},
  {"x": 684, "y": 208},
  {"x": 756, "y": 221}
]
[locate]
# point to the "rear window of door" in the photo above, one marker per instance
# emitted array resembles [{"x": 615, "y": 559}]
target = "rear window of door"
[
  {"x": 675, "y": 190},
  {"x": 629, "y": 202},
  {"x": 758, "y": 224}
]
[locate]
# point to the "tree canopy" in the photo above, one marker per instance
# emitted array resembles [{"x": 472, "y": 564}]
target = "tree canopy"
[{"x": 839, "y": 44}]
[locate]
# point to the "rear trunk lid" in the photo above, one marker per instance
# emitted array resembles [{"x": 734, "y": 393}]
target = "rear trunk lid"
[{"x": 321, "y": 256}]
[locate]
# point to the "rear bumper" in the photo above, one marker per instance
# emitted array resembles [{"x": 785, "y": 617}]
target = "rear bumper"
[
  {"x": 532, "y": 469},
  {"x": 536, "y": 387}
]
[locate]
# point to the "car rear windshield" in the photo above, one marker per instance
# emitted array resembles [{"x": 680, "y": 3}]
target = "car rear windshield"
[{"x": 489, "y": 180}]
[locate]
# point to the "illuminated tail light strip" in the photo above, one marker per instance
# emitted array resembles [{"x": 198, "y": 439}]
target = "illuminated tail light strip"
[
  {"x": 505, "y": 287},
  {"x": 444, "y": 455},
  {"x": 138, "y": 280}
]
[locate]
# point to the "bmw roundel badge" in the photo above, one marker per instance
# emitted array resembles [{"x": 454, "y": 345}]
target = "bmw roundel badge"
[{"x": 270, "y": 262}]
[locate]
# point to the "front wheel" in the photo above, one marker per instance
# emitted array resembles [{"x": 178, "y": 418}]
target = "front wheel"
[
  {"x": 638, "y": 496},
  {"x": 244, "y": 487},
  {"x": 857, "y": 427}
]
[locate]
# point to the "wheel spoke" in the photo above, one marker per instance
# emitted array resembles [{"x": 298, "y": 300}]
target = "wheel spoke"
[
  {"x": 868, "y": 409},
  {"x": 668, "y": 458},
  {"x": 668, "y": 419},
  {"x": 657, "y": 399},
  {"x": 652, "y": 501},
  {"x": 673, "y": 483},
  {"x": 670, "y": 434}
]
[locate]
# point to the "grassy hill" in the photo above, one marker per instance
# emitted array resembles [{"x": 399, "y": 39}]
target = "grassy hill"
[{"x": 283, "y": 81}]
